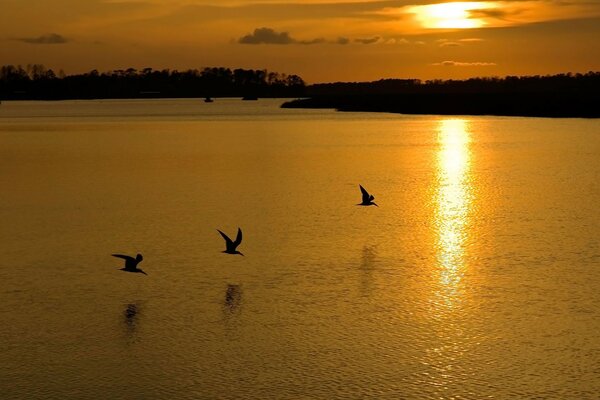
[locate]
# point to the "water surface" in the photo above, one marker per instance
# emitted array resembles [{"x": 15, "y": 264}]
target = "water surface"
[{"x": 477, "y": 276}]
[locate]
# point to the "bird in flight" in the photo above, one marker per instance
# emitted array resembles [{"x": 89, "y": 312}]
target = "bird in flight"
[
  {"x": 230, "y": 244},
  {"x": 131, "y": 263},
  {"x": 367, "y": 199}
]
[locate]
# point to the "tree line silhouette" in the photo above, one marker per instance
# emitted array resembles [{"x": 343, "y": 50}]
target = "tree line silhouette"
[
  {"x": 562, "y": 95},
  {"x": 589, "y": 81},
  {"x": 36, "y": 82}
]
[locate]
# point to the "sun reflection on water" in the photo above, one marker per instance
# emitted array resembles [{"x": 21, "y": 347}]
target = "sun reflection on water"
[{"x": 453, "y": 201}]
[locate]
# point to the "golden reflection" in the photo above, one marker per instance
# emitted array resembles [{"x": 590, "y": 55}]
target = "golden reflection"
[{"x": 453, "y": 201}]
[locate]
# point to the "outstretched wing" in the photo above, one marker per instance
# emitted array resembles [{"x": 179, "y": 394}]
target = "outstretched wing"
[
  {"x": 365, "y": 194},
  {"x": 124, "y": 257},
  {"x": 228, "y": 242},
  {"x": 238, "y": 238}
]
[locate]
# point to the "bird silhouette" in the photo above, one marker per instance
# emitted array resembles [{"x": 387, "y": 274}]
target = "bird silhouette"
[
  {"x": 367, "y": 199},
  {"x": 131, "y": 263},
  {"x": 230, "y": 244}
]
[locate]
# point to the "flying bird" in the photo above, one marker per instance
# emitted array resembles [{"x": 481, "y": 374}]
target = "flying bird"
[
  {"x": 131, "y": 263},
  {"x": 367, "y": 199},
  {"x": 230, "y": 244}
]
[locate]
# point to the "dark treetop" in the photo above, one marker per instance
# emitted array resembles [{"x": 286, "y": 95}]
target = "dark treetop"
[
  {"x": 564, "y": 95},
  {"x": 35, "y": 82}
]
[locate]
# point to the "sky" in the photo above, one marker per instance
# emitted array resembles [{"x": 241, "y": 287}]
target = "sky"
[{"x": 320, "y": 40}]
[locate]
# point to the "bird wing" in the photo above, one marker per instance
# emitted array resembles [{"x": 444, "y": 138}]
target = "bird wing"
[
  {"x": 365, "y": 194},
  {"x": 128, "y": 258},
  {"x": 238, "y": 238},
  {"x": 228, "y": 241}
]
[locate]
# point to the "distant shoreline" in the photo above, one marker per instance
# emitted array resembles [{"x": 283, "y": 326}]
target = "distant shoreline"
[{"x": 551, "y": 105}]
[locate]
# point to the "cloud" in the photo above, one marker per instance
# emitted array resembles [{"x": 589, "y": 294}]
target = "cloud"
[
  {"x": 397, "y": 41},
  {"x": 270, "y": 36},
  {"x": 266, "y": 36},
  {"x": 450, "y": 44},
  {"x": 464, "y": 64},
  {"x": 372, "y": 40},
  {"x": 312, "y": 41},
  {"x": 50, "y": 38},
  {"x": 458, "y": 42},
  {"x": 495, "y": 13}
]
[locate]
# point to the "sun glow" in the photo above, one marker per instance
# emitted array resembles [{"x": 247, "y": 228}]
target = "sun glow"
[{"x": 456, "y": 15}]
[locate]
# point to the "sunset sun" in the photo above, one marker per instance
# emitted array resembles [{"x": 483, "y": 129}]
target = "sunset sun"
[{"x": 456, "y": 15}]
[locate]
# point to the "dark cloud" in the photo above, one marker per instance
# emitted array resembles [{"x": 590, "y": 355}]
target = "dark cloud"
[
  {"x": 270, "y": 36},
  {"x": 372, "y": 40},
  {"x": 50, "y": 38},
  {"x": 493, "y": 13},
  {"x": 312, "y": 41},
  {"x": 266, "y": 36}
]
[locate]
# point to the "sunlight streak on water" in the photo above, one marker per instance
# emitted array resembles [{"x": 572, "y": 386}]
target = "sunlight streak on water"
[{"x": 453, "y": 201}]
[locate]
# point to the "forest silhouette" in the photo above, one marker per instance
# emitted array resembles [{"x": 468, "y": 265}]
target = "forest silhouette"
[
  {"x": 36, "y": 82},
  {"x": 561, "y": 95}
]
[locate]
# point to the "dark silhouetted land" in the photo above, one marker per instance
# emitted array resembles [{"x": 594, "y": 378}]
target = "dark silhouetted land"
[
  {"x": 564, "y": 95},
  {"x": 35, "y": 82}
]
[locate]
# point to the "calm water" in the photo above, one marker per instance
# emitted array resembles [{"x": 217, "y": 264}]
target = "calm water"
[{"x": 477, "y": 277}]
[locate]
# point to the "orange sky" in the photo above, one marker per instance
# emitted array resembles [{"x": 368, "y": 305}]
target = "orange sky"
[{"x": 320, "y": 40}]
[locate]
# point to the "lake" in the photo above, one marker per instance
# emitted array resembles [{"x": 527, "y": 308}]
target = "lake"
[{"x": 477, "y": 277}]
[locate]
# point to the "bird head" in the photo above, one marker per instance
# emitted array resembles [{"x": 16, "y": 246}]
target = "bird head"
[{"x": 139, "y": 257}]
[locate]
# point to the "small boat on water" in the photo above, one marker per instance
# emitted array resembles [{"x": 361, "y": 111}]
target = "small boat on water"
[{"x": 208, "y": 100}]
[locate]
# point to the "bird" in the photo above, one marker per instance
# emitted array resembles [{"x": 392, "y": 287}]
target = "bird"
[
  {"x": 131, "y": 263},
  {"x": 367, "y": 199},
  {"x": 231, "y": 245}
]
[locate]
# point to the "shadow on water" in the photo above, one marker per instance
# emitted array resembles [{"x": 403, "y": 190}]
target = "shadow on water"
[
  {"x": 367, "y": 267},
  {"x": 233, "y": 299},
  {"x": 131, "y": 316}
]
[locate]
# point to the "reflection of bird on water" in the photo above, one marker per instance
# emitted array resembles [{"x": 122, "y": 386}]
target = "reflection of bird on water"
[
  {"x": 367, "y": 269},
  {"x": 231, "y": 245},
  {"x": 131, "y": 263},
  {"x": 369, "y": 253},
  {"x": 367, "y": 199},
  {"x": 130, "y": 313},
  {"x": 233, "y": 297}
]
